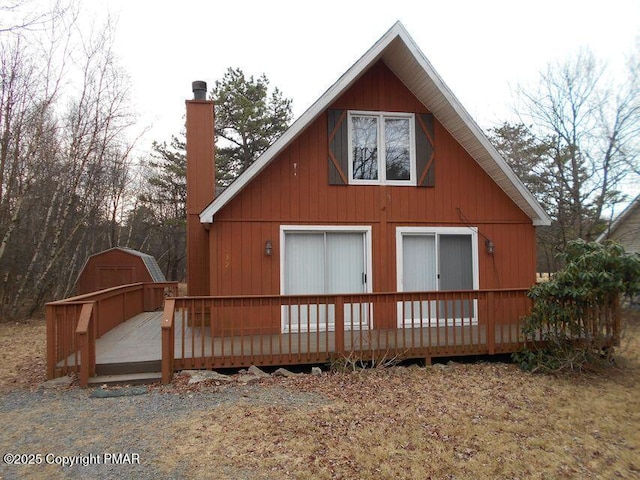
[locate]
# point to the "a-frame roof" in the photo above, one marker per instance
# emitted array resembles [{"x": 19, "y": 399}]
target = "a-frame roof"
[{"x": 403, "y": 57}]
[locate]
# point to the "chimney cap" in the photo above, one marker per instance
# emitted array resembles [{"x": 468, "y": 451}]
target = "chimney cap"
[{"x": 199, "y": 89}]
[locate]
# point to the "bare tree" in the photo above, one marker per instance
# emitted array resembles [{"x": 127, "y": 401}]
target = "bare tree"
[
  {"x": 28, "y": 144},
  {"x": 64, "y": 158},
  {"x": 23, "y": 16},
  {"x": 629, "y": 96},
  {"x": 164, "y": 198},
  {"x": 589, "y": 127}
]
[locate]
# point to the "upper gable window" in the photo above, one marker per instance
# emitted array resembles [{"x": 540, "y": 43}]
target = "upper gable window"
[{"x": 381, "y": 148}]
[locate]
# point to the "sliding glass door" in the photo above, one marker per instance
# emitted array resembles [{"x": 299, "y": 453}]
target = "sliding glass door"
[
  {"x": 317, "y": 261},
  {"x": 436, "y": 259}
]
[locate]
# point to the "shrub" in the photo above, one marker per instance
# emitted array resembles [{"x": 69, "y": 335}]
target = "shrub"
[{"x": 570, "y": 326}]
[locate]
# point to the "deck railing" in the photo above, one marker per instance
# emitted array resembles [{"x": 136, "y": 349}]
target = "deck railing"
[
  {"x": 74, "y": 324},
  {"x": 238, "y": 331},
  {"x": 220, "y": 332},
  {"x": 597, "y": 325}
]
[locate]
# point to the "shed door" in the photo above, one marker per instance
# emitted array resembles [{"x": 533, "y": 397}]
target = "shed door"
[
  {"x": 324, "y": 263},
  {"x": 112, "y": 276}
]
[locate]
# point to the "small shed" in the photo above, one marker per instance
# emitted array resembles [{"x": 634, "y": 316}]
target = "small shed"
[{"x": 117, "y": 266}]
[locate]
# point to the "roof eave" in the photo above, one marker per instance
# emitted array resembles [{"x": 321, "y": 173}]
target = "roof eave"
[
  {"x": 635, "y": 203},
  {"x": 529, "y": 204},
  {"x": 446, "y": 104},
  {"x": 319, "y": 106}
]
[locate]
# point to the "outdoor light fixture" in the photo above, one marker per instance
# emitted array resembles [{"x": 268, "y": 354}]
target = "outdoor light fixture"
[
  {"x": 268, "y": 248},
  {"x": 490, "y": 246}
]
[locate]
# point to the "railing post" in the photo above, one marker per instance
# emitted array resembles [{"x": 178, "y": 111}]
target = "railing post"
[
  {"x": 616, "y": 320},
  {"x": 147, "y": 302},
  {"x": 97, "y": 318},
  {"x": 339, "y": 324},
  {"x": 84, "y": 359},
  {"x": 491, "y": 323},
  {"x": 168, "y": 335},
  {"x": 86, "y": 339},
  {"x": 124, "y": 306},
  {"x": 92, "y": 344},
  {"x": 51, "y": 341}
]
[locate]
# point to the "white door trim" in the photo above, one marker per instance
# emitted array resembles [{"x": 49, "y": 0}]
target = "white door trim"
[
  {"x": 368, "y": 260},
  {"x": 437, "y": 231}
]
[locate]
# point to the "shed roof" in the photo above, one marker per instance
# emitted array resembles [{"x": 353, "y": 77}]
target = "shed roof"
[{"x": 403, "y": 57}]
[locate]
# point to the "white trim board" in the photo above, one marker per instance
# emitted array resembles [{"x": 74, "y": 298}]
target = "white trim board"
[
  {"x": 381, "y": 144},
  {"x": 431, "y": 320},
  {"x": 366, "y": 231},
  {"x": 405, "y": 59}
]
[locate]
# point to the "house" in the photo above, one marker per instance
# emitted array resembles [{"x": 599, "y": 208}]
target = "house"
[
  {"x": 117, "y": 266},
  {"x": 385, "y": 184},
  {"x": 625, "y": 228},
  {"x": 381, "y": 225}
]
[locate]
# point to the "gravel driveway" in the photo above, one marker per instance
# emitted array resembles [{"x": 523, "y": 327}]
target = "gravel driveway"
[{"x": 55, "y": 426}]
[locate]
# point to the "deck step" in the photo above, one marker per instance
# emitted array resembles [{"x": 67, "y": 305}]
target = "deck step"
[
  {"x": 124, "y": 368},
  {"x": 126, "y": 379}
]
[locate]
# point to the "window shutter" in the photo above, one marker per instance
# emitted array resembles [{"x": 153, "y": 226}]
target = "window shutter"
[
  {"x": 338, "y": 147},
  {"x": 425, "y": 150}
]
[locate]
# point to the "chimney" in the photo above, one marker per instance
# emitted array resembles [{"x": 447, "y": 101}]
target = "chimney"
[
  {"x": 200, "y": 186},
  {"x": 199, "y": 90}
]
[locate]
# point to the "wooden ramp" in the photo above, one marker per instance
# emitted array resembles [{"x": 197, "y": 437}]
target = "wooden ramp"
[
  {"x": 136, "y": 340},
  {"x": 128, "y": 353}
]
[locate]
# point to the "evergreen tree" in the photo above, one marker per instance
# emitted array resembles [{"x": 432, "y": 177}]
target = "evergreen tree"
[
  {"x": 166, "y": 200},
  {"x": 248, "y": 120},
  {"x": 531, "y": 160}
]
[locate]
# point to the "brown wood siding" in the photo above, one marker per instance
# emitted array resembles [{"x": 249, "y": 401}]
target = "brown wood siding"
[
  {"x": 200, "y": 191},
  {"x": 294, "y": 189},
  {"x": 109, "y": 269}
]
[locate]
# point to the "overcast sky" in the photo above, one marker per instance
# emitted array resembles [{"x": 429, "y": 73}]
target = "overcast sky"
[{"x": 482, "y": 49}]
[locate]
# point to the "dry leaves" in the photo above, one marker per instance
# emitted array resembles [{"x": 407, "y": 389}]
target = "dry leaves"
[
  {"x": 464, "y": 421},
  {"x": 23, "y": 354},
  {"x": 485, "y": 420}
]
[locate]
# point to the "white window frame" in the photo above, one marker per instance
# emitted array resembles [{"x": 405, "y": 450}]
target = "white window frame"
[
  {"x": 436, "y": 231},
  {"x": 363, "y": 229},
  {"x": 382, "y": 164}
]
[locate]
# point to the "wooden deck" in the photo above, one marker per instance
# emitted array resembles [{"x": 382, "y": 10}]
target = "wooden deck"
[
  {"x": 121, "y": 330},
  {"x": 138, "y": 341},
  {"x": 75, "y": 324},
  {"x": 454, "y": 339}
]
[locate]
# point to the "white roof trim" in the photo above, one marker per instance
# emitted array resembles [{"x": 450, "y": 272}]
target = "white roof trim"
[
  {"x": 445, "y": 107},
  {"x": 635, "y": 203}
]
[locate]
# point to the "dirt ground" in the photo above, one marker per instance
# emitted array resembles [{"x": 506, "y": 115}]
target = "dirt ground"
[
  {"x": 448, "y": 421},
  {"x": 23, "y": 353}
]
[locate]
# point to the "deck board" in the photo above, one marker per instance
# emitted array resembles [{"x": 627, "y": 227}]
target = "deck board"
[
  {"x": 140, "y": 340},
  {"x": 136, "y": 340}
]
